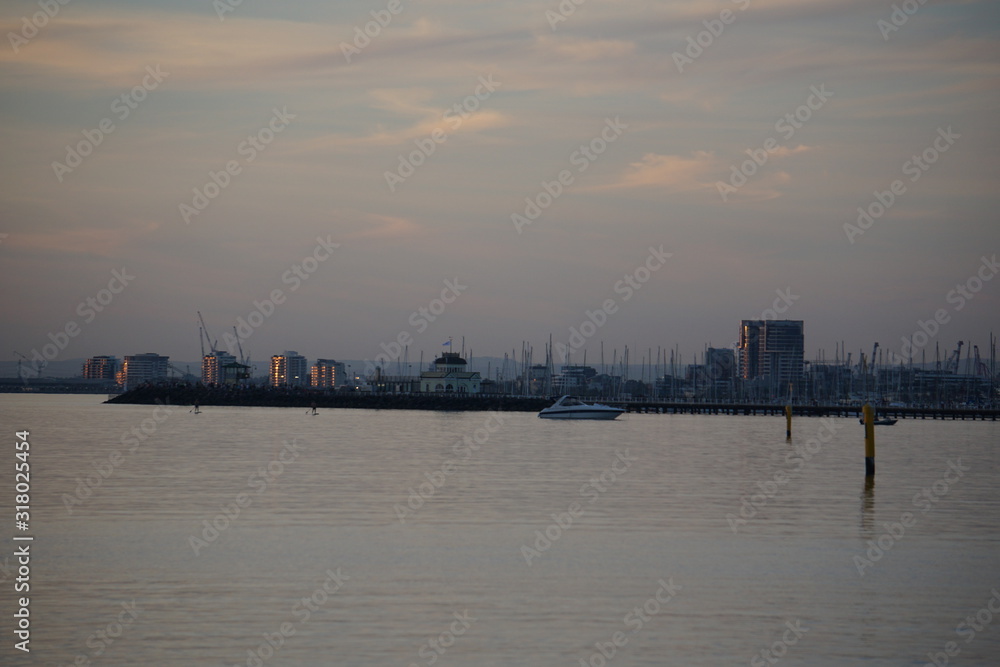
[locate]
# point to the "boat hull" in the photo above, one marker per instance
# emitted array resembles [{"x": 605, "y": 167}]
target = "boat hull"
[
  {"x": 570, "y": 407},
  {"x": 605, "y": 415}
]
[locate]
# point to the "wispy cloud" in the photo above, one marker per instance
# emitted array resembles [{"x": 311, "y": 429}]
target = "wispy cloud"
[
  {"x": 702, "y": 171},
  {"x": 673, "y": 173},
  {"x": 585, "y": 50},
  {"x": 375, "y": 226}
]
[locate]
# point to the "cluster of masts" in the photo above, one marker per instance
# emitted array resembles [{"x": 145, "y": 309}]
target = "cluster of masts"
[
  {"x": 515, "y": 365},
  {"x": 974, "y": 364}
]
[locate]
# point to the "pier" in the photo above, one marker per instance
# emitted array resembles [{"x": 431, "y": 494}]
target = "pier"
[
  {"x": 778, "y": 410},
  {"x": 180, "y": 394}
]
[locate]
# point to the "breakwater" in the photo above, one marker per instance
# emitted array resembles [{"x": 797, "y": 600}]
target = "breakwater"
[
  {"x": 280, "y": 398},
  {"x": 184, "y": 394}
]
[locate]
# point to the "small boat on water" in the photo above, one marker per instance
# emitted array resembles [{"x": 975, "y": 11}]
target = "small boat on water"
[
  {"x": 885, "y": 421},
  {"x": 570, "y": 407}
]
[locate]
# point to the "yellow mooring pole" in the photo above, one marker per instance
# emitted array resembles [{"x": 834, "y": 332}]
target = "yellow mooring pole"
[
  {"x": 788, "y": 413},
  {"x": 869, "y": 414}
]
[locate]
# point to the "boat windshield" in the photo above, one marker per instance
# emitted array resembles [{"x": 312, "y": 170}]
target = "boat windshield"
[{"x": 570, "y": 400}]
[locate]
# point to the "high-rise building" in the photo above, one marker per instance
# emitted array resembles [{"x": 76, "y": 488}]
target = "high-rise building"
[
  {"x": 772, "y": 349},
  {"x": 100, "y": 368},
  {"x": 139, "y": 368},
  {"x": 213, "y": 365},
  {"x": 327, "y": 373},
  {"x": 288, "y": 370},
  {"x": 749, "y": 348},
  {"x": 719, "y": 364}
]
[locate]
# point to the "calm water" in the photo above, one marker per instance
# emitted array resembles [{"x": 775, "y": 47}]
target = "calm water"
[{"x": 451, "y": 583}]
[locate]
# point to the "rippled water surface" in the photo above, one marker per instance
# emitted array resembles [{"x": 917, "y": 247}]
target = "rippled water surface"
[{"x": 404, "y": 538}]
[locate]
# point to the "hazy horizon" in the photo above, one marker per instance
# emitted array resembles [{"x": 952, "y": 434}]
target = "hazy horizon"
[{"x": 498, "y": 171}]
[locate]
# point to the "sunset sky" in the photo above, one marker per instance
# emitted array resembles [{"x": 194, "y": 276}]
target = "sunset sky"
[{"x": 321, "y": 127}]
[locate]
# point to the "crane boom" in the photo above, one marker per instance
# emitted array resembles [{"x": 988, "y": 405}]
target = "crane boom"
[
  {"x": 955, "y": 358},
  {"x": 982, "y": 369},
  {"x": 239, "y": 345},
  {"x": 40, "y": 365},
  {"x": 204, "y": 328}
]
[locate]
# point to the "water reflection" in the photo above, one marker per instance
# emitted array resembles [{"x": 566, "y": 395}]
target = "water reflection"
[
  {"x": 868, "y": 507},
  {"x": 333, "y": 506}
]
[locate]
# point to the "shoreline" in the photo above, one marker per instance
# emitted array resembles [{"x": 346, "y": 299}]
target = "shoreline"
[
  {"x": 298, "y": 398},
  {"x": 265, "y": 398}
]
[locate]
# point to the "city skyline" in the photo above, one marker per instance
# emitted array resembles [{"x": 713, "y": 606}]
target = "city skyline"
[
  {"x": 768, "y": 366},
  {"x": 336, "y": 178},
  {"x": 772, "y": 358},
  {"x": 922, "y": 349}
]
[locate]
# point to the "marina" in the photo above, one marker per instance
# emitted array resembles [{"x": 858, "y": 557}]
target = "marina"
[{"x": 179, "y": 394}]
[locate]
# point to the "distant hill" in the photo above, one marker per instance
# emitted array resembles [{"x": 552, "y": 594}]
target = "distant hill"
[{"x": 65, "y": 368}]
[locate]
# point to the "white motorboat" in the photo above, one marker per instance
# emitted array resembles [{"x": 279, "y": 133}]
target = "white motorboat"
[{"x": 570, "y": 407}]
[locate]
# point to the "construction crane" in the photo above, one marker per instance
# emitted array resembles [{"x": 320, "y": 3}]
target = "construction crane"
[
  {"x": 203, "y": 336},
  {"x": 20, "y": 367},
  {"x": 39, "y": 366},
  {"x": 239, "y": 346},
  {"x": 178, "y": 371},
  {"x": 244, "y": 373},
  {"x": 982, "y": 370},
  {"x": 955, "y": 358}
]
